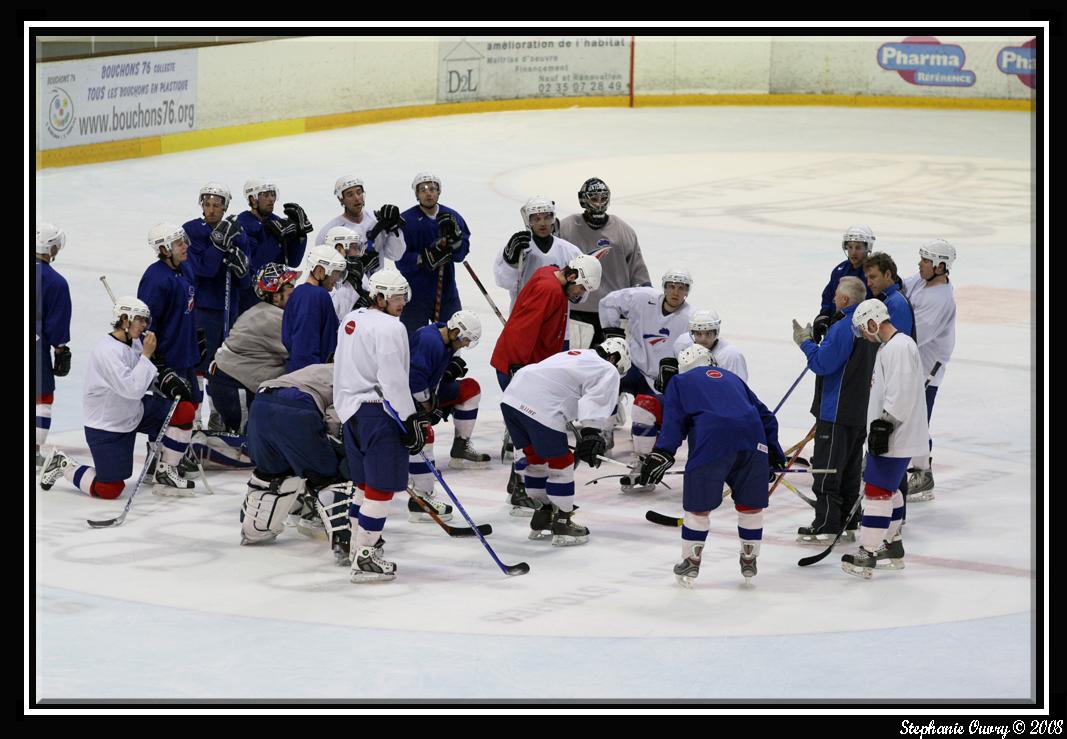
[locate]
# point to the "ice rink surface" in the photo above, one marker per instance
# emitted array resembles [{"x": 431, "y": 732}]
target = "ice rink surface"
[{"x": 754, "y": 202}]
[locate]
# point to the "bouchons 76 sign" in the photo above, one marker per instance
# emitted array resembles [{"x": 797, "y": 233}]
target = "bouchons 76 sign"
[{"x": 923, "y": 60}]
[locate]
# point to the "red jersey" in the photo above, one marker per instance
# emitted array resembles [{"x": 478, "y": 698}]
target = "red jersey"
[{"x": 537, "y": 325}]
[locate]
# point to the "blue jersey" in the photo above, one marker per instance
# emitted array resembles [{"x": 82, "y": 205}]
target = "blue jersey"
[
  {"x": 845, "y": 269},
  {"x": 309, "y": 326},
  {"x": 53, "y": 306},
  {"x": 429, "y": 360},
  {"x": 842, "y": 364},
  {"x": 264, "y": 248},
  {"x": 719, "y": 415},
  {"x": 171, "y": 296},
  {"x": 420, "y": 232},
  {"x": 210, "y": 271},
  {"x": 900, "y": 313}
]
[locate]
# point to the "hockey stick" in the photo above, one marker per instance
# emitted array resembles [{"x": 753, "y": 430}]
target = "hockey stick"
[
  {"x": 440, "y": 290},
  {"x": 103, "y": 279},
  {"x": 226, "y": 307},
  {"x": 789, "y": 464},
  {"x": 662, "y": 520},
  {"x": 152, "y": 453},
  {"x": 457, "y": 531},
  {"x": 516, "y": 569},
  {"x": 805, "y": 561},
  {"x": 470, "y": 270},
  {"x": 790, "y": 391},
  {"x": 801, "y": 495},
  {"x": 792, "y": 470}
]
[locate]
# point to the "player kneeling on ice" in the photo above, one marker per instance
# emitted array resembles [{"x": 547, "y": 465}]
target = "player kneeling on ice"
[
  {"x": 117, "y": 409},
  {"x": 896, "y": 413},
  {"x": 732, "y": 438},
  {"x": 580, "y": 384}
]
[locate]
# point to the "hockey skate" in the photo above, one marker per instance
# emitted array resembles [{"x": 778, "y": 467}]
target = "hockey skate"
[
  {"x": 369, "y": 566},
  {"x": 342, "y": 547},
  {"x": 920, "y": 485},
  {"x": 819, "y": 535},
  {"x": 52, "y": 468},
  {"x": 566, "y": 533},
  {"x": 309, "y": 523},
  {"x": 507, "y": 449},
  {"x": 541, "y": 522},
  {"x": 463, "y": 456},
  {"x": 890, "y": 556},
  {"x": 861, "y": 564},
  {"x": 169, "y": 483},
  {"x": 415, "y": 512},
  {"x": 687, "y": 570},
  {"x": 748, "y": 560},
  {"x": 629, "y": 483},
  {"x": 521, "y": 503},
  {"x": 189, "y": 466}
]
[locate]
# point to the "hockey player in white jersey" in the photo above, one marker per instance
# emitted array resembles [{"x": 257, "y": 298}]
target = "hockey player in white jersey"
[
  {"x": 351, "y": 292},
  {"x": 380, "y": 229},
  {"x": 373, "y": 353},
  {"x": 542, "y": 398},
  {"x": 116, "y": 409},
  {"x": 705, "y": 328},
  {"x": 896, "y": 414},
  {"x": 529, "y": 250},
  {"x": 934, "y": 303}
]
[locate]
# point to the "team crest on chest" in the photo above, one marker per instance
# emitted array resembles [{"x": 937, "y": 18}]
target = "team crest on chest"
[
  {"x": 350, "y": 327},
  {"x": 714, "y": 374}
]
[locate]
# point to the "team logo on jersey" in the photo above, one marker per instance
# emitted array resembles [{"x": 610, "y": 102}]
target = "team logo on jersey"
[
  {"x": 573, "y": 353},
  {"x": 657, "y": 338},
  {"x": 714, "y": 374},
  {"x": 350, "y": 327},
  {"x": 925, "y": 61},
  {"x": 1019, "y": 61}
]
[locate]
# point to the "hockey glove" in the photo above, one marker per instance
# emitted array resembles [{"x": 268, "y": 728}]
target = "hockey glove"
[
  {"x": 776, "y": 460},
  {"x": 389, "y": 219},
  {"x": 614, "y": 332},
  {"x": 432, "y": 416},
  {"x": 655, "y": 467},
  {"x": 298, "y": 217},
  {"x": 456, "y": 368},
  {"x": 668, "y": 368},
  {"x": 371, "y": 262},
  {"x": 513, "y": 368},
  {"x": 436, "y": 255},
  {"x": 61, "y": 365},
  {"x": 355, "y": 272},
  {"x": 173, "y": 386},
  {"x": 589, "y": 447},
  {"x": 801, "y": 333},
  {"x": 819, "y": 327},
  {"x": 517, "y": 244},
  {"x": 414, "y": 436},
  {"x": 364, "y": 300},
  {"x": 282, "y": 230},
  {"x": 201, "y": 343},
  {"x": 236, "y": 261},
  {"x": 449, "y": 230},
  {"x": 878, "y": 436},
  {"x": 225, "y": 232}
]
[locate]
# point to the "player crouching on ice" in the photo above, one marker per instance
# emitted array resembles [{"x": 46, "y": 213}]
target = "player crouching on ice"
[
  {"x": 117, "y": 409},
  {"x": 732, "y": 439},
  {"x": 580, "y": 384}
]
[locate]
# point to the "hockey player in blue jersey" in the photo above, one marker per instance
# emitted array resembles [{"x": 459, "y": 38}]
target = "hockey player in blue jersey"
[
  {"x": 437, "y": 238},
  {"x": 884, "y": 284},
  {"x": 271, "y": 238},
  {"x": 732, "y": 439},
  {"x": 309, "y": 325},
  {"x": 52, "y": 328},
  {"x": 857, "y": 244}
]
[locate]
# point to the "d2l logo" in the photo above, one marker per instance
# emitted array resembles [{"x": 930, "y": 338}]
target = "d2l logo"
[
  {"x": 925, "y": 61},
  {"x": 1020, "y": 61}
]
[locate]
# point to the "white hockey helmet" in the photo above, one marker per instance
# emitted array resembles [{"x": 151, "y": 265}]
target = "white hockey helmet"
[
  {"x": 858, "y": 233},
  {"x": 130, "y": 307},
  {"x": 255, "y": 186},
  {"x": 616, "y": 345},
  {"x": 327, "y": 257},
  {"x": 704, "y": 320},
  {"x": 469, "y": 325},
  {"x": 594, "y": 187},
  {"x": 388, "y": 283},
  {"x": 343, "y": 183},
  {"x": 589, "y": 271},
  {"x": 422, "y": 177},
  {"x": 49, "y": 236},
  {"x": 869, "y": 310},
  {"x": 163, "y": 235},
  {"x": 939, "y": 251},
  {"x": 536, "y": 204},
  {"x": 217, "y": 189},
  {"x": 677, "y": 274},
  {"x": 692, "y": 356},
  {"x": 344, "y": 237}
]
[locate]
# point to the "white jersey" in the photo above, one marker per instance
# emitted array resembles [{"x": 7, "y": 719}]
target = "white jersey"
[
  {"x": 897, "y": 388},
  {"x": 372, "y": 349},
  {"x": 559, "y": 255},
  {"x": 389, "y": 246},
  {"x": 724, "y": 355},
  {"x": 344, "y": 296},
  {"x": 118, "y": 377},
  {"x": 651, "y": 333},
  {"x": 572, "y": 385},
  {"x": 935, "y": 322}
]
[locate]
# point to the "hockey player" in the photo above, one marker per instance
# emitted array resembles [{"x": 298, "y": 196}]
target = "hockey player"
[
  {"x": 253, "y": 352},
  {"x": 614, "y": 241},
  {"x": 380, "y": 229},
  {"x": 516, "y": 264},
  {"x": 704, "y": 329},
  {"x": 168, "y": 288},
  {"x": 884, "y": 283},
  {"x": 349, "y": 293},
  {"x": 536, "y": 329},
  {"x": 437, "y": 239},
  {"x": 271, "y": 238},
  {"x": 439, "y": 387},
  {"x": 842, "y": 364},
  {"x": 309, "y": 324},
  {"x": 897, "y": 432},
  {"x": 857, "y": 244},
  {"x": 732, "y": 439},
  {"x": 579, "y": 384},
  {"x": 656, "y": 318},
  {"x": 931, "y": 296},
  {"x": 373, "y": 354},
  {"x": 52, "y": 328},
  {"x": 116, "y": 409}
]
